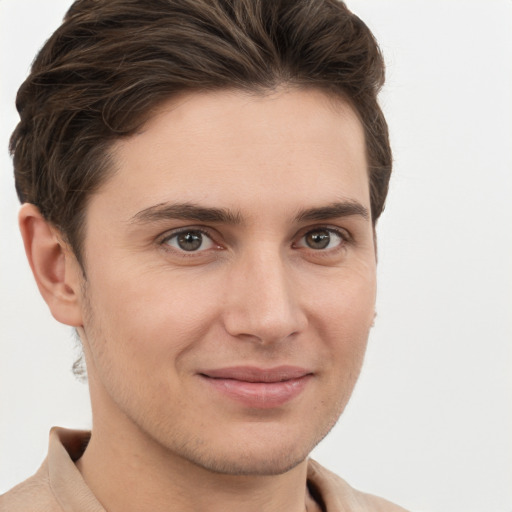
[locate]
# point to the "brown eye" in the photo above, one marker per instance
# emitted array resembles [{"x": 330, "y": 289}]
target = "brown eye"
[
  {"x": 318, "y": 239},
  {"x": 190, "y": 241},
  {"x": 321, "y": 239}
]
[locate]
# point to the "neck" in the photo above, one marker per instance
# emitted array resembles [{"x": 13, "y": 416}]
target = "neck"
[{"x": 128, "y": 472}]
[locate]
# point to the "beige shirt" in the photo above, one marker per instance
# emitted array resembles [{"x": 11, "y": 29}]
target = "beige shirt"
[{"x": 58, "y": 486}]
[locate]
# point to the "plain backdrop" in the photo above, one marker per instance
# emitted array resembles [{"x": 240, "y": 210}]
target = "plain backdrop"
[{"x": 430, "y": 423}]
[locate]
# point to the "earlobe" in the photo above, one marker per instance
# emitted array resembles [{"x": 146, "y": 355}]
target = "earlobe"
[{"x": 56, "y": 271}]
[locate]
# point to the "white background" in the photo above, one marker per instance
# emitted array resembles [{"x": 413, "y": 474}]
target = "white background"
[{"x": 430, "y": 423}]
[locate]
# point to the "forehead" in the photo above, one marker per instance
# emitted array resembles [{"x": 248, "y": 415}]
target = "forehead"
[{"x": 227, "y": 147}]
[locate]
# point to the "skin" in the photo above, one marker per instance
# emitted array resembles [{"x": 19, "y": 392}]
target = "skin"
[{"x": 154, "y": 318}]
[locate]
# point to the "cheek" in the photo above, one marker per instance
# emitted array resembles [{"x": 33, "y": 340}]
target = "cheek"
[
  {"x": 346, "y": 303},
  {"x": 344, "y": 319},
  {"x": 151, "y": 317}
]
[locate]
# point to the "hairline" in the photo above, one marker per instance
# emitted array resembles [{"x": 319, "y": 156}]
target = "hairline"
[{"x": 107, "y": 161}]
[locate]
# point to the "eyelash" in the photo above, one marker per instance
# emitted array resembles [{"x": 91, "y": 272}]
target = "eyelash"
[
  {"x": 343, "y": 235},
  {"x": 182, "y": 231},
  {"x": 340, "y": 233}
]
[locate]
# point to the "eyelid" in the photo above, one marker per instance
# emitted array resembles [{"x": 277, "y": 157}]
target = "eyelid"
[
  {"x": 341, "y": 232},
  {"x": 183, "y": 229},
  {"x": 168, "y": 235}
]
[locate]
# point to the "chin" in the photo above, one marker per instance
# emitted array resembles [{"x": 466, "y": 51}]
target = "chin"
[
  {"x": 254, "y": 455},
  {"x": 250, "y": 464}
]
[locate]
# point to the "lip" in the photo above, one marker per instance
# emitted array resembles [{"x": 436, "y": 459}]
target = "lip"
[{"x": 258, "y": 387}]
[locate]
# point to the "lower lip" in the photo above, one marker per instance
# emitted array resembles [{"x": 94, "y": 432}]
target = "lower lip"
[{"x": 260, "y": 395}]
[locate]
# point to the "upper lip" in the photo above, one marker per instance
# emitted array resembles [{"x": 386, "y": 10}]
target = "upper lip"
[{"x": 255, "y": 374}]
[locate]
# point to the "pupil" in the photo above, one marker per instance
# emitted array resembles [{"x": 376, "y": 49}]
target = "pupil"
[
  {"x": 190, "y": 241},
  {"x": 318, "y": 239}
]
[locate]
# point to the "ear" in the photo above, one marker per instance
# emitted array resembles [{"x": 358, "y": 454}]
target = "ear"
[{"x": 56, "y": 270}]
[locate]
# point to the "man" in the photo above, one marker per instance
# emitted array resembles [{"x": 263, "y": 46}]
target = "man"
[{"x": 200, "y": 184}]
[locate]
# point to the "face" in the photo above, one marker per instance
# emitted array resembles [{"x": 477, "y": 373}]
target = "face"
[{"x": 230, "y": 280}]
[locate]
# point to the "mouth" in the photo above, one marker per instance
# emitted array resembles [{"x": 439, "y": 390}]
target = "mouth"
[{"x": 256, "y": 387}]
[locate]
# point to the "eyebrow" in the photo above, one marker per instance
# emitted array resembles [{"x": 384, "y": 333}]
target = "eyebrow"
[
  {"x": 186, "y": 211},
  {"x": 191, "y": 211},
  {"x": 333, "y": 211}
]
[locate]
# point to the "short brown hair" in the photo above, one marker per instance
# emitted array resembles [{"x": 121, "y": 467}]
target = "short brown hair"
[{"x": 112, "y": 62}]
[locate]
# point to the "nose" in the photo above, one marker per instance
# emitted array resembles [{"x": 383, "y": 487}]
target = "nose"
[{"x": 262, "y": 300}]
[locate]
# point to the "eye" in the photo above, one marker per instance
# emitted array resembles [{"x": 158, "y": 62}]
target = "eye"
[
  {"x": 321, "y": 239},
  {"x": 190, "y": 240}
]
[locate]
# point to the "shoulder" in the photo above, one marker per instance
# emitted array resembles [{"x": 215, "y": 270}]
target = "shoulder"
[
  {"x": 34, "y": 495},
  {"x": 337, "y": 494},
  {"x": 58, "y": 485}
]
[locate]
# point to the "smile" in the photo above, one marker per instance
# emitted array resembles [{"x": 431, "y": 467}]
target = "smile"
[{"x": 258, "y": 388}]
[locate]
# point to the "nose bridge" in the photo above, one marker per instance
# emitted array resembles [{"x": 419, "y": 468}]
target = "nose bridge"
[{"x": 262, "y": 301}]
